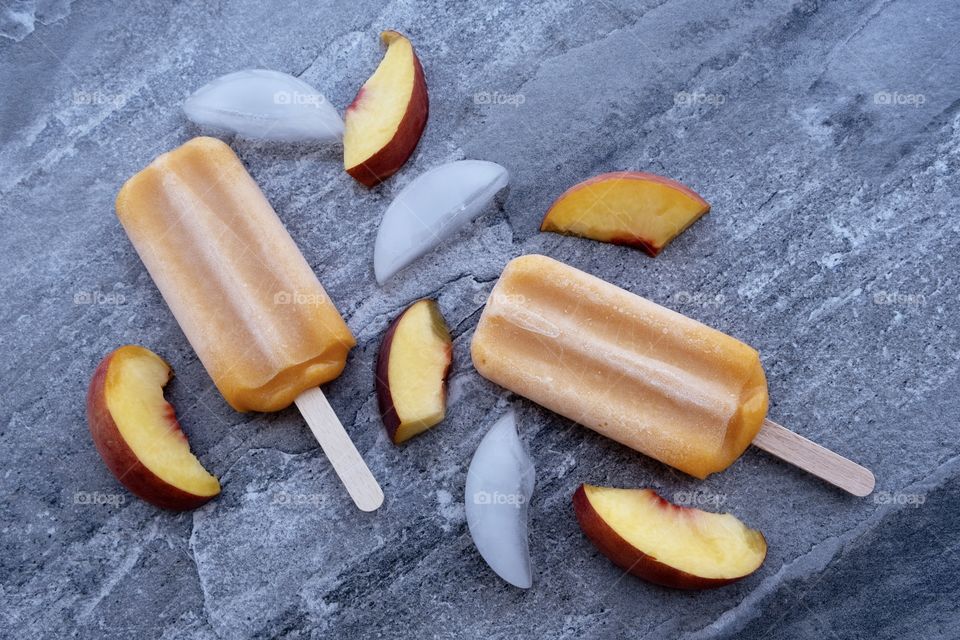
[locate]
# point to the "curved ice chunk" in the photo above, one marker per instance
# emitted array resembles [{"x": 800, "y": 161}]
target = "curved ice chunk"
[
  {"x": 265, "y": 105},
  {"x": 499, "y": 487},
  {"x": 431, "y": 209}
]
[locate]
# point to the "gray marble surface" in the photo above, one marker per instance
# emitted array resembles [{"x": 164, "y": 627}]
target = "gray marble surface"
[{"x": 826, "y": 135}]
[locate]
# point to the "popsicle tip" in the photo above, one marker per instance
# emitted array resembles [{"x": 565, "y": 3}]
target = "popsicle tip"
[
  {"x": 865, "y": 486},
  {"x": 369, "y": 502}
]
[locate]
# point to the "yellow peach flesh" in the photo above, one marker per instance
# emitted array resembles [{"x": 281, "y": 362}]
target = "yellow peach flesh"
[
  {"x": 371, "y": 122},
  {"x": 146, "y": 421},
  {"x": 626, "y": 208},
  {"x": 703, "y": 544},
  {"x": 419, "y": 358}
]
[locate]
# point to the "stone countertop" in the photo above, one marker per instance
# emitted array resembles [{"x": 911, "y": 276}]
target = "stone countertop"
[{"x": 826, "y": 135}]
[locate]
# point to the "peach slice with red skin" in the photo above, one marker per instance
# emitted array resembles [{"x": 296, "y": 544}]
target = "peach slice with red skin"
[
  {"x": 669, "y": 545},
  {"x": 383, "y": 124},
  {"x": 412, "y": 367},
  {"x": 137, "y": 433},
  {"x": 627, "y": 208}
]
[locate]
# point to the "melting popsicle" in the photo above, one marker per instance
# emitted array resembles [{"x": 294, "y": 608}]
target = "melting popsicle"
[
  {"x": 246, "y": 299},
  {"x": 650, "y": 378}
]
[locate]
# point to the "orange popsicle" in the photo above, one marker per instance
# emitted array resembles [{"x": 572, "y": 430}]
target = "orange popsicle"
[
  {"x": 246, "y": 299},
  {"x": 248, "y": 302},
  {"x": 647, "y": 377}
]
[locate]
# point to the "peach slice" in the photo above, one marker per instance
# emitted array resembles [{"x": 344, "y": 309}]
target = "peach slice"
[
  {"x": 673, "y": 546},
  {"x": 627, "y": 207},
  {"x": 137, "y": 433},
  {"x": 412, "y": 368},
  {"x": 384, "y": 122}
]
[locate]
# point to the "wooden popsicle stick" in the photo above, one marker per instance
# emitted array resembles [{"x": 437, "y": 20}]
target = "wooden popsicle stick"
[
  {"x": 340, "y": 450},
  {"x": 813, "y": 458}
]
